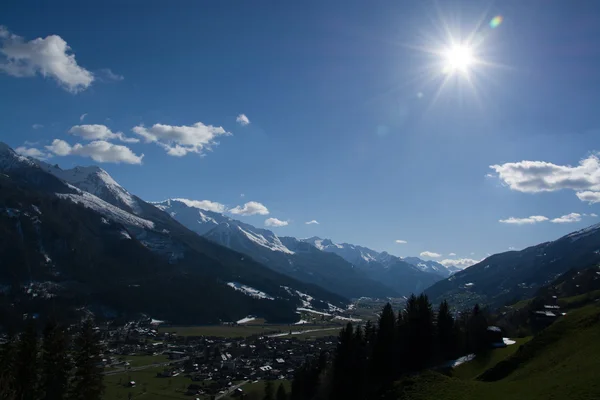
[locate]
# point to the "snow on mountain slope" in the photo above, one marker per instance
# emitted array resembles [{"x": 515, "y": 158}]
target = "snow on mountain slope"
[
  {"x": 108, "y": 210},
  {"x": 9, "y": 159},
  {"x": 96, "y": 181},
  {"x": 429, "y": 266},
  {"x": 349, "y": 252}
]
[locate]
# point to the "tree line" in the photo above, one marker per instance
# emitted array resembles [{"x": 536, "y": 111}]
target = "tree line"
[
  {"x": 370, "y": 358},
  {"x": 61, "y": 365}
]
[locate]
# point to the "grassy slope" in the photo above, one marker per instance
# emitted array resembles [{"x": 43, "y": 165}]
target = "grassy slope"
[
  {"x": 472, "y": 369},
  {"x": 561, "y": 363}
]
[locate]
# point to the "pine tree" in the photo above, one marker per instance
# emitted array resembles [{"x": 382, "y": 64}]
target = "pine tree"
[
  {"x": 88, "y": 378},
  {"x": 426, "y": 331},
  {"x": 445, "y": 331},
  {"x": 281, "y": 393},
  {"x": 382, "y": 368},
  {"x": 27, "y": 365},
  {"x": 56, "y": 365},
  {"x": 268, "y": 390},
  {"x": 8, "y": 356},
  {"x": 342, "y": 361},
  {"x": 477, "y": 331}
]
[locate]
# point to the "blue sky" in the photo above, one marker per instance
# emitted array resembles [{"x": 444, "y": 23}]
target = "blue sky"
[{"x": 349, "y": 124}]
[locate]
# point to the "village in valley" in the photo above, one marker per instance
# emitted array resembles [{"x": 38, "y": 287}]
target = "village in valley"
[{"x": 235, "y": 359}]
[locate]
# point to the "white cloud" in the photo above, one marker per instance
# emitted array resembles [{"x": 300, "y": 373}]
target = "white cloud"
[
  {"x": 452, "y": 254},
  {"x": 99, "y": 132},
  {"x": 82, "y": 117},
  {"x": 399, "y": 241},
  {"x": 274, "y": 222},
  {"x": 511, "y": 248},
  {"x": 542, "y": 176},
  {"x": 461, "y": 263},
  {"x": 37, "y": 126},
  {"x": 181, "y": 140},
  {"x": 204, "y": 205},
  {"x": 242, "y": 195},
  {"x": 588, "y": 196},
  {"x": 312, "y": 222},
  {"x": 99, "y": 151},
  {"x": 48, "y": 57},
  {"x": 430, "y": 254},
  {"x": 522, "y": 221},
  {"x": 593, "y": 215},
  {"x": 32, "y": 152},
  {"x": 250, "y": 208},
  {"x": 242, "y": 120},
  {"x": 565, "y": 219}
]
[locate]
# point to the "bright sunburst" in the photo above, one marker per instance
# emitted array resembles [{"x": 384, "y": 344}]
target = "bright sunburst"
[{"x": 458, "y": 58}]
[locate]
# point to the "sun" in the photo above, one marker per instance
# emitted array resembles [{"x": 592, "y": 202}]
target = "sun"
[{"x": 458, "y": 58}]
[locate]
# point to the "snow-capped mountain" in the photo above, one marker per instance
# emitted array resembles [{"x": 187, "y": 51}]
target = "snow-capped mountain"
[
  {"x": 380, "y": 266},
  {"x": 283, "y": 254},
  {"x": 431, "y": 266},
  {"x": 360, "y": 255},
  {"x": 96, "y": 181}
]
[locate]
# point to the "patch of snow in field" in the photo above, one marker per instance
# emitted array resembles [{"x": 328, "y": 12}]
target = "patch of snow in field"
[
  {"x": 347, "y": 319},
  {"x": 125, "y": 235},
  {"x": 301, "y": 322},
  {"x": 246, "y": 319},
  {"x": 36, "y": 209},
  {"x": 301, "y": 332},
  {"x": 462, "y": 360},
  {"x": 249, "y": 291},
  {"x": 308, "y": 310},
  {"x": 156, "y": 322},
  {"x": 508, "y": 341}
]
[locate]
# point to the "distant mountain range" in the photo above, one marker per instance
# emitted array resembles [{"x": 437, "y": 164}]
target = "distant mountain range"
[
  {"x": 307, "y": 260},
  {"x": 75, "y": 238}
]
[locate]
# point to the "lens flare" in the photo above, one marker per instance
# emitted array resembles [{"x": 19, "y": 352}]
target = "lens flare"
[{"x": 496, "y": 21}]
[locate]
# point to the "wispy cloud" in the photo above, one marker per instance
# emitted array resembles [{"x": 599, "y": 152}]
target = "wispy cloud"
[
  {"x": 82, "y": 117},
  {"x": 106, "y": 74},
  {"x": 430, "y": 254},
  {"x": 275, "y": 223},
  {"x": 452, "y": 254},
  {"x": 181, "y": 140},
  {"x": 399, "y": 241},
  {"x": 250, "y": 208},
  {"x": 523, "y": 221},
  {"x": 312, "y": 222},
  {"x": 37, "y": 126},
  {"x": 242, "y": 120},
  {"x": 565, "y": 219},
  {"x": 99, "y": 151},
  {"x": 48, "y": 57}
]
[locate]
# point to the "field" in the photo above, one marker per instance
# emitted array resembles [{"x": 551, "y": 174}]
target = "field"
[
  {"x": 257, "y": 390},
  {"x": 226, "y": 331},
  {"x": 560, "y": 363},
  {"x": 148, "y": 386}
]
